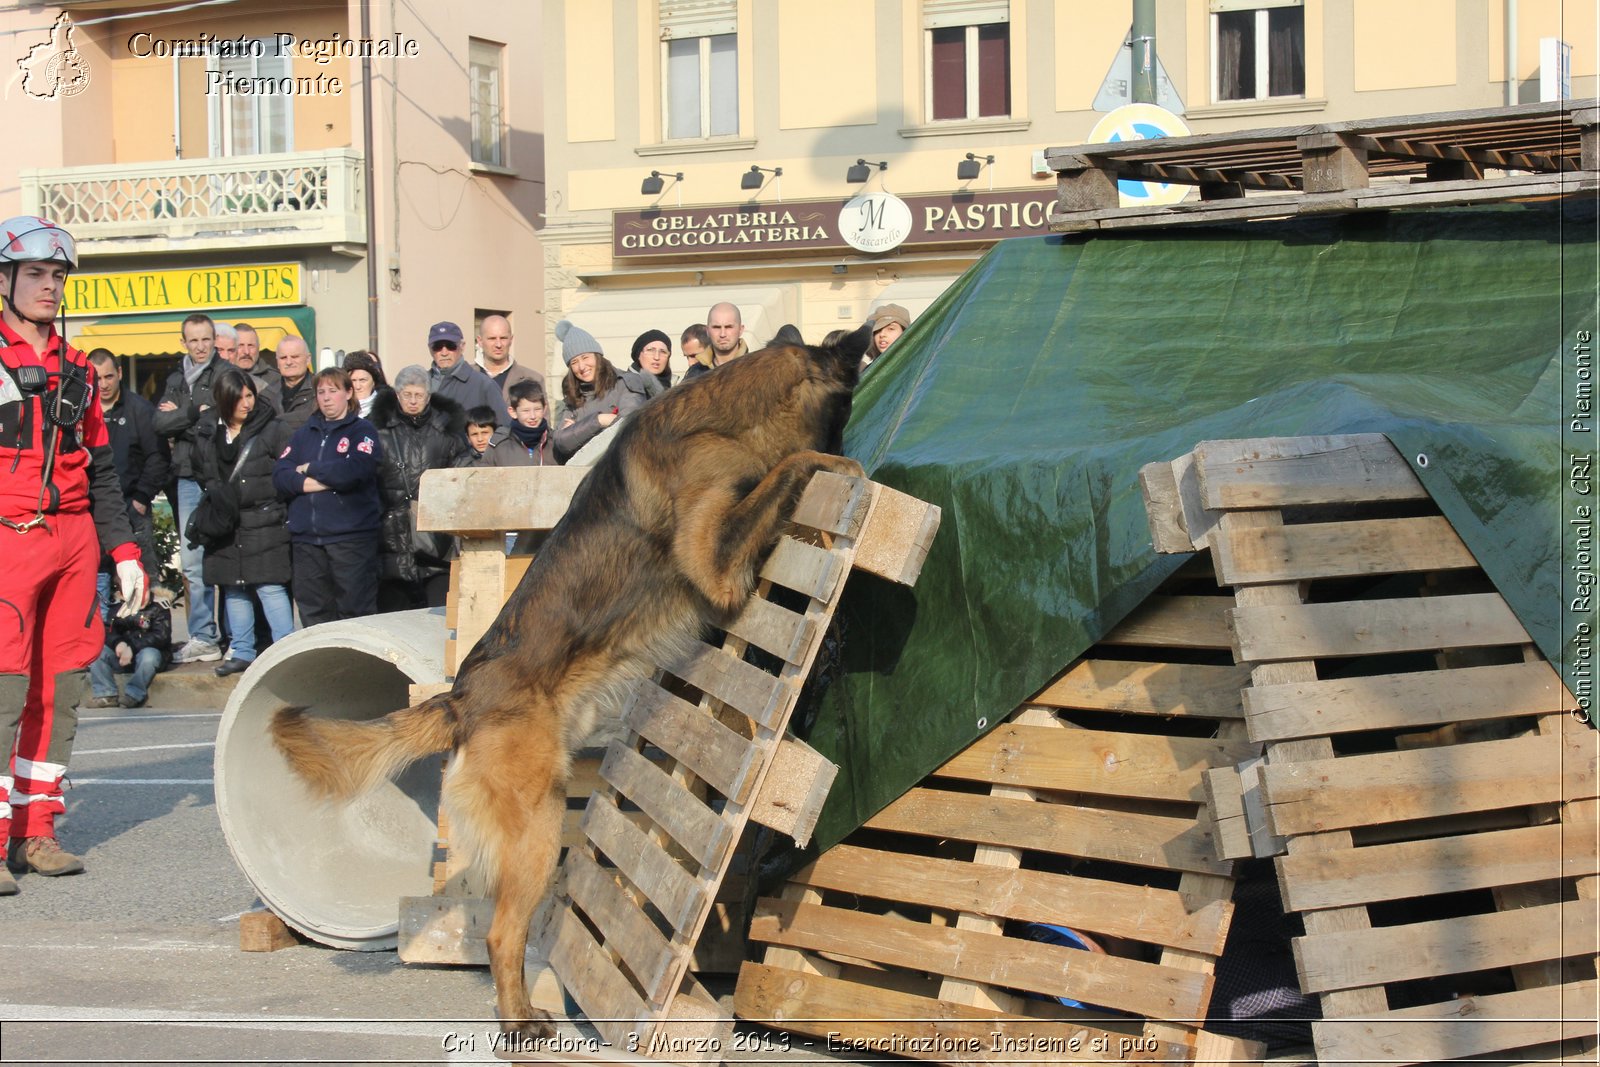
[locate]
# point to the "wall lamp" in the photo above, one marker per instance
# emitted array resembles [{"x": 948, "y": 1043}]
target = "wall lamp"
[
  {"x": 653, "y": 185},
  {"x": 970, "y": 167},
  {"x": 751, "y": 179},
  {"x": 862, "y": 171}
]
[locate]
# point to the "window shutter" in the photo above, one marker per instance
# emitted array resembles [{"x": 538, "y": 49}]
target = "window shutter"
[
  {"x": 938, "y": 14},
  {"x": 698, "y": 18}
]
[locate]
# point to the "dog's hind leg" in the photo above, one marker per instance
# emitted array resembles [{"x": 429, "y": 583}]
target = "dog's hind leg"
[
  {"x": 526, "y": 867},
  {"x": 721, "y": 539}
]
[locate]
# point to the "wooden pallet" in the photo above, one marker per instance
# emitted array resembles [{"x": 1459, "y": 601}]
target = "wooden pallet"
[
  {"x": 659, "y": 838},
  {"x": 1442, "y": 158},
  {"x": 1429, "y": 799},
  {"x": 1084, "y": 809}
]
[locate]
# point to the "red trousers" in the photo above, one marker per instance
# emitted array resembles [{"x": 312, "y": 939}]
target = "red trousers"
[{"x": 50, "y": 631}]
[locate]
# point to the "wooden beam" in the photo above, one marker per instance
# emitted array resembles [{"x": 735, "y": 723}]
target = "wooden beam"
[
  {"x": 1342, "y": 550},
  {"x": 1331, "y": 162},
  {"x": 1275, "y": 472},
  {"x": 1139, "y": 687},
  {"x": 483, "y": 500},
  {"x": 1373, "y": 627}
]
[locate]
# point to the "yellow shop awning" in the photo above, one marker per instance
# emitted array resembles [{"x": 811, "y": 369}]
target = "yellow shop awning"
[{"x": 148, "y": 335}]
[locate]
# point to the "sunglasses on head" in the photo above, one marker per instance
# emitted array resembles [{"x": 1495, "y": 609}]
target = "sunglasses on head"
[{"x": 438, "y": 345}]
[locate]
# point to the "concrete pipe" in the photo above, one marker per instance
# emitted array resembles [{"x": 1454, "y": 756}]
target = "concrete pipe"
[{"x": 334, "y": 872}]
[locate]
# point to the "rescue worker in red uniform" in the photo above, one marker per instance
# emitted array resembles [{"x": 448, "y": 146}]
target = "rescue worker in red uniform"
[{"x": 60, "y": 507}]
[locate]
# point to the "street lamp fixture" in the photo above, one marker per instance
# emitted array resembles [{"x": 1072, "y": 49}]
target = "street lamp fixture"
[
  {"x": 751, "y": 179},
  {"x": 862, "y": 171}
]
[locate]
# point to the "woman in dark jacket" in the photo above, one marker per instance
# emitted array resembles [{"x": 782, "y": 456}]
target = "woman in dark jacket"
[
  {"x": 239, "y": 443},
  {"x": 418, "y": 432}
]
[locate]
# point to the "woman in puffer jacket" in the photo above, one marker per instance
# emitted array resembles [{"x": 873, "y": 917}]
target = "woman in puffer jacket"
[
  {"x": 593, "y": 395},
  {"x": 255, "y": 562},
  {"x": 418, "y": 432}
]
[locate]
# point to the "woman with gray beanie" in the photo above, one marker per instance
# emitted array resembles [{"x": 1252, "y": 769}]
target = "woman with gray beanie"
[{"x": 593, "y": 395}]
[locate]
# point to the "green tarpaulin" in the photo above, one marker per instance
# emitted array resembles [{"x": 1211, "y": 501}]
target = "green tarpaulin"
[{"x": 1026, "y": 399}]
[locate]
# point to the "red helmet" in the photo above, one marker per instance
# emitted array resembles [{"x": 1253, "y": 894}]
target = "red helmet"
[{"x": 29, "y": 239}]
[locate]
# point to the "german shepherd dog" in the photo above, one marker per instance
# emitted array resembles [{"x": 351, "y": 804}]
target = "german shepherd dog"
[{"x": 663, "y": 538}]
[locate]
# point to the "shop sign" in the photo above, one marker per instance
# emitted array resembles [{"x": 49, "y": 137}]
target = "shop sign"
[
  {"x": 872, "y": 222},
  {"x": 186, "y": 289}
]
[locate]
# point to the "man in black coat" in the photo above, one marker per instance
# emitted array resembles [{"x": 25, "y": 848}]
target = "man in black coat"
[{"x": 140, "y": 455}]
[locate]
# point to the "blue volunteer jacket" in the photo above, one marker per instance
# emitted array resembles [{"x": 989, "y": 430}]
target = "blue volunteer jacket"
[{"x": 344, "y": 457}]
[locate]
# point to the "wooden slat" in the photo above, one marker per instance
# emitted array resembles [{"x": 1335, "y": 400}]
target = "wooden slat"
[
  {"x": 613, "y": 1006},
  {"x": 804, "y": 568},
  {"x": 696, "y": 828},
  {"x": 897, "y": 536},
  {"x": 1317, "y": 795},
  {"x": 670, "y": 888},
  {"x": 868, "y": 1019},
  {"x": 1468, "y": 1026},
  {"x": 1176, "y": 622},
  {"x": 1442, "y": 865},
  {"x": 1371, "y": 627},
  {"x": 1423, "y": 699},
  {"x": 1277, "y": 472},
  {"x": 1108, "y": 981},
  {"x": 482, "y": 591},
  {"x": 495, "y": 499},
  {"x": 775, "y": 629},
  {"x": 1225, "y": 803},
  {"x": 832, "y": 503},
  {"x": 1160, "y": 841},
  {"x": 623, "y": 927},
  {"x": 1163, "y": 508},
  {"x": 1139, "y": 912},
  {"x": 749, "y": 690},
  {"x": 1094, "y": 761},
  {"x": 1341, "y": 549},
  {"x": 720, "y": 757},
  {"x": 1445, "y": 946},
  {"x": 1139, "y": 688}
]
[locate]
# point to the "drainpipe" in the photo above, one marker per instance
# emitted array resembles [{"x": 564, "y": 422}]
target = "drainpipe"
[
  {"x": 366, "y": 179},
  {"x": 1512, "y": 94},
  {"x": 177, "y": 113},
  {"x": 1144, "y": 51}
]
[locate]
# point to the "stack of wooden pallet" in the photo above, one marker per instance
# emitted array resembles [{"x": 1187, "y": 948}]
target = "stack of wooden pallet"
[
  {"x": 936, "y": 930},
  {"x": 1429, "y": 799}
]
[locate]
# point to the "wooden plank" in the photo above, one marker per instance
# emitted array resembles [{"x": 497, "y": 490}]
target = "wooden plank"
[
  {"x": 613, "y": 1006},
  {"x": 1421, "y": 699},
  {"x": 1327, "y": 794},
  {"x": 1054, "y": 970},
  {"x": 1225, "y": 801},
  {"x": 1176, "y": 622},
  {"x": 1467, "y": 1026},
  {"x": 897, "y": 536},
  {"x": 874, "y": 1021},
  {"x": 495, "y": 499},
  {"x": 1094, "y": 761},
  {"x": 1341, "y": 549},
  {"x": 672, "y": 889},
  {"x": 1373, "y": 627},
  {"x": 1141, "y": 688},
  {"x": 1446, "y": 946},
  {"x": 832, "y": 503},
  {"x": 1160, "y": 841},
  {"x": 784, "y": 633},
  {"x": 624, "y": 928},
  {"x": 718, "y": 756},
  {"x": 794, "y": 790},
  {"x": 1274, "y": 472},
  {"x": 697, "y": 829},
  {"x": 482, "y": 591},
  {"x": 1163, "y": 509},
  {"x": 719, "y": 673},
  {"x": 806, "y": 569},
  {"x": 1442, "y": 865},
  {"x": 1139, "y": 912}
]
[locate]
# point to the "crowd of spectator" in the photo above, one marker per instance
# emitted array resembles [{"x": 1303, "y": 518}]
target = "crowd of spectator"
[{"x": 321, "y": 471}]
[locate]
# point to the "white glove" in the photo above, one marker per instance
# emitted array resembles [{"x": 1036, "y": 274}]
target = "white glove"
[{"x": 133, "y": 586}]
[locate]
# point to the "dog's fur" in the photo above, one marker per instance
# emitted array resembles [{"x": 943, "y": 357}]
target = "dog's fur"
[{"x": 663, "y": 537}]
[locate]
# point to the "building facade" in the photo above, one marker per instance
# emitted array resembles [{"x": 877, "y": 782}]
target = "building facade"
[
  {"x": 218, "y": 158},
  {"x": 702, "y": 150}
]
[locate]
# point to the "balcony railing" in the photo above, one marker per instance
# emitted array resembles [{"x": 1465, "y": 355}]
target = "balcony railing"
[{"x": 302, "y": 198}]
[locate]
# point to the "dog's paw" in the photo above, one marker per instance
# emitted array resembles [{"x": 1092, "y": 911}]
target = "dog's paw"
[
  {"x": 538, "y": 1026},
  {"x": 843, "y": 465}
]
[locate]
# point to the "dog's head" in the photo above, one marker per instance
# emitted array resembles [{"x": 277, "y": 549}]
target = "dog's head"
[{"x": 841, "y": 362}]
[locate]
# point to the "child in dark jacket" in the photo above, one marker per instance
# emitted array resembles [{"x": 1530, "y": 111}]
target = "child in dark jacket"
[{"x": 138, "y": 646}]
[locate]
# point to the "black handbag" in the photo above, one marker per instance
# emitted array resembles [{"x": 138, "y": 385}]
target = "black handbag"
[{"x": 212, "y": 523}]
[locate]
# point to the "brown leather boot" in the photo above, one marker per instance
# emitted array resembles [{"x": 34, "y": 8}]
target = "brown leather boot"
[
  {"x": 8, "y": 884},
  {"x": 43, "y": 855}
]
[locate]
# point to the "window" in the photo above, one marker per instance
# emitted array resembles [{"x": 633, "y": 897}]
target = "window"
[
  {"x": 968, "y": 59},
  {"x": 700, "y": 68},
  {"x": 249, "y": 123},
  {"x": 485, "y": 76},
  {"x": 1258, "y": 49}
]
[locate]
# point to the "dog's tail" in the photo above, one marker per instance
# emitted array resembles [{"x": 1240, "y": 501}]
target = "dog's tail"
[{"x": 339, "y": 758}]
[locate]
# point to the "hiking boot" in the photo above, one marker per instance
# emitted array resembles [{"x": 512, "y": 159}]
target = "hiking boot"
[
  {"x": 195, "y": 650},
  {"x": 8, "y": 884},
  {"x": 129, "y": 702},
  {"x": 43, "y": 855},
  {"x": 100, "y": 702}
]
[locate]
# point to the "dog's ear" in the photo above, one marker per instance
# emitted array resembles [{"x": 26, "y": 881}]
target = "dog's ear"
[{"x": 854, "y": 345}]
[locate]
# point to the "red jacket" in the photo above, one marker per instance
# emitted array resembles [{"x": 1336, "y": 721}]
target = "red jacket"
[{"x": 84, "y": 476}]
